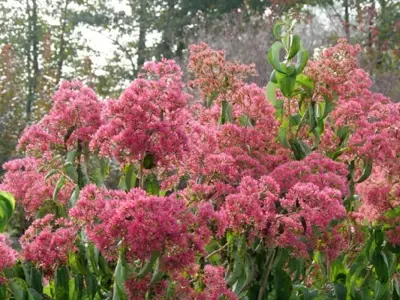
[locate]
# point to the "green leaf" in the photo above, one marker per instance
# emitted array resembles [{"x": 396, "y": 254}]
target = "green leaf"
[
  {"x": 61, "y": 283},
  {"x": 33, "y": 277},
  {"x": 274, "y": 56},
  {"x": 148, "y": 265},
  {"x": 393, "y": 248},
  {"x": 379, "y": 237},
  {"x": 367, "y": 170},
  {"x": 128, "y": 180},
  {"x": 381, "y": 267},
  {"x": 211, "y": 99},
  {"x": 340, "y": 291},
  {"x": 159, "y": 271},
  {"x": 35, "y": 294},
  {"x": 76, "y": 288},
  {"x": 20, "y": 289},
  {"x": 226, "y": 113},
  {"x": 48, "y": 207},
  {"x": 287, "y": 84},
  {"x": 300, "y": 149},
  {"x": 60, "y": 183},
  {"x": 279, "y": 30},
  {"x": 238, "y": 268},
  {"x": 283, "y": 285},
  {"x": 295, "y": 47},
  {"x": 302, "y": 59},
  {"x": 74, "y": 261},
  {"x": 3, "y": 292},
  {"x": 151, "y": 185},
  {"x": 272, "y": 77},
  {"x": 7, "y": 206},
  {"x": 119, "y": 278},
  {"x": 91, "y": 286},
  {"x": 306, "y": 82},
  {"x": 148, "y": 161},
  {"x": 74, "y": 197},
  {"x": 328, "y": 107},
  {"x": 271, "y": 92}
]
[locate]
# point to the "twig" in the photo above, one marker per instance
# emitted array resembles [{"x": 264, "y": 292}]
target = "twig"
[
  {"x": 267, "y": 269},
  {"x": 216, "y": 251}
]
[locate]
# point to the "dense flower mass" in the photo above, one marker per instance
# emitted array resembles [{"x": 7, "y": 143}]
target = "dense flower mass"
[
  {"x": 48, "y": 241},
  {"x": 149, "y": 118},
  {"x": 234, "y": 196},
  {"x": 143, "y": 224},
  {"x": 26, "y": 180},
  {"x": 74, "y": 117},
  {"x": 8, "y": 256}
]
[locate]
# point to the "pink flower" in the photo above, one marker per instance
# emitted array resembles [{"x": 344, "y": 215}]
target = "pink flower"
[
  {"x": 215, "y": 284},
  {"x": 25, "y": 179},
  {"x": 74, "y": 116},
  {"x": 48, "y": 241},
  {"x": 149, "y": 118},
  {"x": 8, "y": 256}
]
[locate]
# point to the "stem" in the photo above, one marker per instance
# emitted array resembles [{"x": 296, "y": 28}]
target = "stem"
[
  {"x": 267, "y": 269},
  {"x": 216, "y": 251},
  {"x": 141, "y": 177}
]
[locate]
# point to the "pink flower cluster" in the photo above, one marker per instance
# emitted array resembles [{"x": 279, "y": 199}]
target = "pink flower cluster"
[
  {"x": 288, "y": 204},
  {"x": 149, "y": 118},
  {"x": 144, "y": 224},
  {"x": 222, "y": 154},
  {"x": 48, "y": 241},
  {"x": 74, "y": 116},
  {"x": 25, "y": 179},
  {"x": 8, "y": 256}
]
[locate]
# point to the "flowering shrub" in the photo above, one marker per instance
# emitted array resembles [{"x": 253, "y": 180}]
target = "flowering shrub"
[{"x": 292, "y": 193}]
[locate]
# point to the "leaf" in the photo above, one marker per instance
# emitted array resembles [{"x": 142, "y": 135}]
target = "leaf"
[
  {"x": 271, "y": 92},
  {"x": 306, "y": 82},
  {"x": 238, "y": 266},
  {"x": 48, "y": 207},
  {"x": 76, "y": 289},
  {"x": 279, "y": 29},
  {"x": 148, "y": 265},
  {"x": 74, "y": 197},
  {"x": 367, "y": 170},
  {"x": 119, "y": 278},
  {"x": 148, "y": 161},
  {"x": 7, "y": 206},
  {"x": 61, "y": 283},
  {"x": 302, "y": 59},
  {"x": 381, "y": 267},
  {"x": 226, "y": 113},
  {"x": 328, "y": 107},
  {"x": 128, "y": 180},
  {"x": 283, "y": 285},
  {"x": 272, "y": 77},
  {"x": 159, "y": 271},
  {"x": 91, "y": 286},
  {"x": 295, "y": 47},
  {"x": 300, "y": 149},
  {"x": 211, "y": 99},
  {"x": 20, "y": 289},
  {"x": 274, "y": 56},
  {"x": 340, "y": 291},
  {"x": 379, "y": 237},
  {"x": 3, "y": 291},
  {"x": 151, "y": 185},
  {"x": 35, "y": 294},
  {"x": 286, "y": 84},
  {"x": 60, "y": 183},
  {"x": 393, "y": 248}
]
